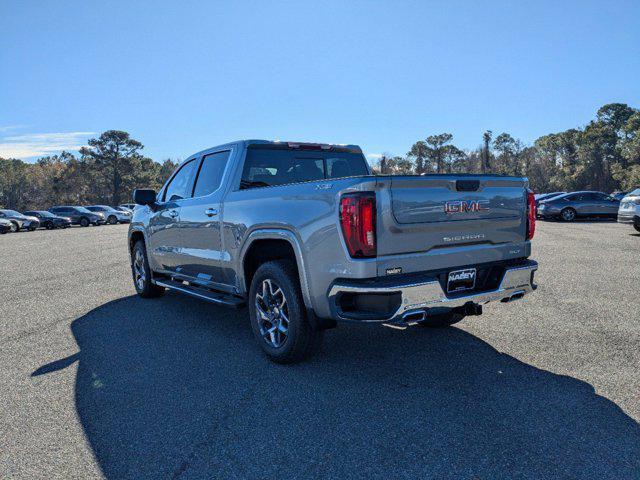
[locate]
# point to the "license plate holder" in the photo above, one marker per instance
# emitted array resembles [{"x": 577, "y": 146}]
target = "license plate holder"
[{"x": 461, "y": 280}]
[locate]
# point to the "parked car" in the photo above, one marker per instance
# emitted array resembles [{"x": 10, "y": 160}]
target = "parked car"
[
  {"x": 305, "y": 236},
  {"x": 48, "y": 220},
  {"x": 545, "y": 196},
  {"x": 629, "y": 211},
  {"x": 123, "y": 208},
  {"x": 79, "y": 215},
  {"x": 20, "y": 221},
  {"x": 619, "y": 195},
  {"x": 112, "y": 215},
  {"x": 5, "y": 226},
  {"x": 129, "y": 206},
  {"x": 570, "y": 206}
]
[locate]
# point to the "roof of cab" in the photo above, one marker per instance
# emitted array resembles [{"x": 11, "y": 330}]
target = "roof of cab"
[{"x": 255, "y": 141}]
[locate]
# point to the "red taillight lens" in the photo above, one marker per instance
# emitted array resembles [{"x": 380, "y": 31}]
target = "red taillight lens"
[
  {"x": 531, "y": 214},
  {"x": 358, "y": 222}
]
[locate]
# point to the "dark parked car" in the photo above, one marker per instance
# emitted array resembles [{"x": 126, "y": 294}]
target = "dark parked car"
[
  {"x": 5, "y": 226},
  {"x": 20, "y": 221},
  {"x": 79, "y": 215},
  {"x": 570, "y": 206},
  {"x": 48, "y": 220},
  {"x": 112, "y": 215}
]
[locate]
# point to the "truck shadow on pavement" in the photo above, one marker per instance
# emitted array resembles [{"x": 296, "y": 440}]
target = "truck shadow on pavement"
[{"x": 176, "y": 388}]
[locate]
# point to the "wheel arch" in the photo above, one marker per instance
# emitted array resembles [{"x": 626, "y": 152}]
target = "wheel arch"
[{"x": 280, "y": 244}]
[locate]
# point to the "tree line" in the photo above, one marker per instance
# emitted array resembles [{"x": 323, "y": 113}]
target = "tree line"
[
  {"x": 604, "y": 155},
  {"x": 105, "y": 172}
]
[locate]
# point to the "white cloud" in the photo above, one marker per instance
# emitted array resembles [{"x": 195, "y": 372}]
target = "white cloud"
[{"x": 40, "y": 144}]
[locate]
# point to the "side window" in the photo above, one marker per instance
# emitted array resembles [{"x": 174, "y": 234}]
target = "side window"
[
  {"x": 178, "y": 188},
  {"x": 210, "y": 174},
  {"x": 341, "y": 167},
  {"x": 2, "y": 215}
]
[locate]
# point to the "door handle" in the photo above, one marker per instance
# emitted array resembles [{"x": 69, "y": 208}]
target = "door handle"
[
  {"x": 173, "y": 213},
  {"x": 211, "y": 212}
]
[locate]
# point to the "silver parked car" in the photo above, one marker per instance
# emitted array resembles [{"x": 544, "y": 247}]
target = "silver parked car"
[
  {"x": 572, "y": 205},
  {"x": 629, "y": 211}
]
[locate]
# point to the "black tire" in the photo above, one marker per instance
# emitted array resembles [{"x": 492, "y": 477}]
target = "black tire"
[
  {"x": 441, "y": 320},
  {"x": 32, "y": 229},
  {"x": 637, "y": 227},
  {"x": 49, "y": 226},
  {"x": 301, "y": 339},
  {"x": 568, "y": 214},
  {"x": 112, "y": 220},
  {"x": 144, "y": 287},
  {"x": 84, "y": 222},
  {"x": 15, "y": 228}
]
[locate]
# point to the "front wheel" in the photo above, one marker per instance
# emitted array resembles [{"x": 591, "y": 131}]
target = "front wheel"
[
  {"x": 142, "y": 273},
  {"x": 14, "y": 227},
  {"x": 49, "y": 226},
  {"x": 84, "y": 222},
  {"x": 637, "y": 227},
  {"x": 568, "y": 214},
  {"x": 112, "y": 220},
  {"x": 278, "y": 316}
]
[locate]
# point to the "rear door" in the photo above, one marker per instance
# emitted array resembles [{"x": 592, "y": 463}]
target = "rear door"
[
  {"x": 446, "y": 214},
  {"x": 200, "y": 223},
  {"x": 163, "y": 233}
]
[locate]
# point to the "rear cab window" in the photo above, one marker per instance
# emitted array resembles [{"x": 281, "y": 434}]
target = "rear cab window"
[{"x": 271, "y": 165}]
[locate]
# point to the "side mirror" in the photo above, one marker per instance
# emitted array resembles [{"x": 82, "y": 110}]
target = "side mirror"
[{"x": 144, "y": 196}]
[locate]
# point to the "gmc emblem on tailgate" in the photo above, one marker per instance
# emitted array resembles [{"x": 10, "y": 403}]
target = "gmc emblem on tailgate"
[{"x": 462, "y": 206}]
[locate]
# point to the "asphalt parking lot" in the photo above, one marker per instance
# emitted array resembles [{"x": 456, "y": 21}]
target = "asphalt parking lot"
[{"x": 95, "y": 382}]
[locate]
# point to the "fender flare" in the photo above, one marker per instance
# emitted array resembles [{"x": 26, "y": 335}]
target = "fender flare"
[{"x": 276, "y": 234}]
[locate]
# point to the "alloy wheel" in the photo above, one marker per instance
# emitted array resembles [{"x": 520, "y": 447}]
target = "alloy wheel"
[
  {"x": 272, "y": 313},
  {"x": 139, "y": 276},
  {"x": 568, "y": 215}
]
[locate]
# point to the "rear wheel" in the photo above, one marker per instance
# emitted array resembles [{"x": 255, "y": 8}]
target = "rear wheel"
[
  {"x": 142, "y": 273},
  {"x": 278, "y": 316},
  {"x": 568, "y": 214},
  {"x": 440, "y": 320},
  {"x": 84, "y": 222}
]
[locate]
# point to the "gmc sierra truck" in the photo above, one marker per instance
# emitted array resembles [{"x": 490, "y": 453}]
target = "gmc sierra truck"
[{"x": 306, "y": 237}]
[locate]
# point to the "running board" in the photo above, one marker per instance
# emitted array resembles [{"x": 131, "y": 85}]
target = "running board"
[{"x": 202, "y": 293}]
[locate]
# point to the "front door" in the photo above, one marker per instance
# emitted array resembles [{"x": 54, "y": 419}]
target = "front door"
[
  {"x": 202, "y": 251},
  {"x": 163, "y": 234}
]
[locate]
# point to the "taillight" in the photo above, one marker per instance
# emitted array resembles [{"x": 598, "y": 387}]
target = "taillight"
[
  {"x": 358, "y": 222},
  {"x": 531, "y": 214}
]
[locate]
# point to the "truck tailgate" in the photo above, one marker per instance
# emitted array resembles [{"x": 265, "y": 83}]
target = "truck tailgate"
[{"x": 445, "y": 212}]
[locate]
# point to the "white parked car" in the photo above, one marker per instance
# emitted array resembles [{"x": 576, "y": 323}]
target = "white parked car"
[
  {"x": 629, "y": 211},
  {"x": 112, "y": 215}
]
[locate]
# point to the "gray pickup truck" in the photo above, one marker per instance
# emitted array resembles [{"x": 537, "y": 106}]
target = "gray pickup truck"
[{"x": 306, "y": 237}]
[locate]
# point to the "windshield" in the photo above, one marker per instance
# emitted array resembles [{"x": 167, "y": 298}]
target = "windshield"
[
  {"x": 45, "y": 214},
  {"x": 83, "y": 210},
  {"x": 10, "y": 212}
]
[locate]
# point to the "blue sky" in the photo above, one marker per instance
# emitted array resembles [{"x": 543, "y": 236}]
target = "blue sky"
[{"x": 182, "y": 76}]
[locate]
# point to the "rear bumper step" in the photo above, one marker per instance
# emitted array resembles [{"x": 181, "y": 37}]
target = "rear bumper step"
[{"x": 417, "y": 299}]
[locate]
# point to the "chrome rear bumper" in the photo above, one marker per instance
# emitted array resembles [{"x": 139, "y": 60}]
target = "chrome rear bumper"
[{"x": 419, "y": 298}]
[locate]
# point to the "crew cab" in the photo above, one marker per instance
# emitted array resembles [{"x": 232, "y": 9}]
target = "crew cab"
[{"x": 306, "y": 237}]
